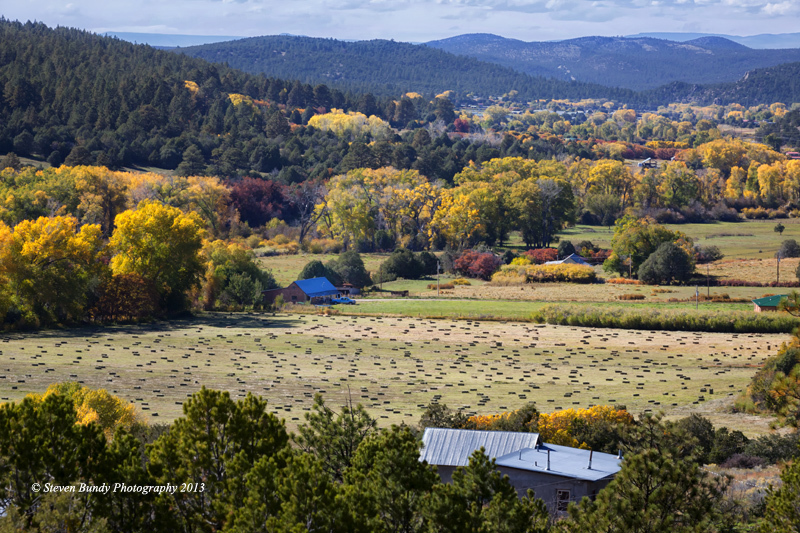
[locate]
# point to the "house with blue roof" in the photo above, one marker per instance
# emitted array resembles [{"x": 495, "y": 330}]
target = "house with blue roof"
[
  {"x": 314, "y": 290},
  {"x": 557, "y": 474}
]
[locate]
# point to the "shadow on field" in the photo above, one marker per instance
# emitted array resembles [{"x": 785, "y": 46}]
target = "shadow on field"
[{"x": 210, "y": 320}]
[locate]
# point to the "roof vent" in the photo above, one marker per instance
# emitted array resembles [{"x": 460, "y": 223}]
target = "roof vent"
[{"x": 548, "y": 460}]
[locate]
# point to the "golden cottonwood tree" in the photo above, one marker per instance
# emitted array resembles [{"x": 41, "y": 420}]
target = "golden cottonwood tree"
[
  {"x": 456, "y": 220},
  {"x": 103, "y": 194},
  {"x": 162, "y": 245},
  {"x": 48, "y": 265},
  {"x": 209, "y": 198}
]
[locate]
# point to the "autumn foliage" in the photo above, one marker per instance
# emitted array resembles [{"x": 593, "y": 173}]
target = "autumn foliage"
[
  {"x": 539, "y": 256},
  {"x": 560, "y": 427},
  {"x": 95, "y": 406},
  {"x": 477, "y": 264}
]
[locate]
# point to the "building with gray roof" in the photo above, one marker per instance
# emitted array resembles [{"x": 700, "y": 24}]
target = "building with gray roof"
[{"x": 556, "y": 474}]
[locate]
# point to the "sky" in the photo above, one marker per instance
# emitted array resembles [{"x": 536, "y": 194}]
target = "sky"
[{"x": 414, "y": 20}]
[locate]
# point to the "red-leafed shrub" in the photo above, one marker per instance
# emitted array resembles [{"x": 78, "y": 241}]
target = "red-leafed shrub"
[
  {"x": 259, "y": 201},
  {"x": 666, "y": 153},
  {"x": 477, "y": 264},
  {"x": 541, "y": 255},
  {"x": 461, "y": 125}
]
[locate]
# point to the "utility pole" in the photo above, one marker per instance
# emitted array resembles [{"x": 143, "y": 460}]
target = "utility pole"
[
  {"x": 708, "y": 281},
  {"x": 437, "y": 277},
  {"x": 696, "y": 298},
  {"x": 779, "y": 267}
]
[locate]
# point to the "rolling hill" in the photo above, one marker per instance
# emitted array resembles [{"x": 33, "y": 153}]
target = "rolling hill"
[{"x": 388, "y": 68}]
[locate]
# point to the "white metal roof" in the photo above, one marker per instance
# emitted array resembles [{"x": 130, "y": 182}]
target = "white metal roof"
[
  {"x": 453, "y": 447},
  {"x": 564, "y": 461}
]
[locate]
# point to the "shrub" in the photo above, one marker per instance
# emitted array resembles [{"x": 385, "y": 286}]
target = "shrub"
[
  {"x": 789, "y": 248},
  {"x": 541, "y": 255},
  {"x": 755, "y": 213},
  {"x": 580, "y": 427},
  {"x": 775, "y": 447},
  {"x": 350, "y": 269},
  {"x": 322, "y": 246},
  {"x": 525, "y": 419},
  {"x": 668, "y": 264},
  {"x": 508, "y": 257},
  {"x": 429, "y": 263},
  {"x": 461, "y": 281},
  {"x": 512, "y": 275},
  {"x": 442, "y": 286},
  {"x": 623, "y": 281},
  {"x": 706, "y": 254},
  {"x": 520, "y": 261},
  {"x": 741, "y": 460},
  {"x": 565, "y": 249},
  {"x": 402, "y": 263},
  {"x": 477, "y": 264},
  {"x": 631, "y": 297},
  {"x": 670, "y": 320}
]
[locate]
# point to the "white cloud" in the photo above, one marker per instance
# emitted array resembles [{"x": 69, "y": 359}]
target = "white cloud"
[{"x": 416, "y": 20}]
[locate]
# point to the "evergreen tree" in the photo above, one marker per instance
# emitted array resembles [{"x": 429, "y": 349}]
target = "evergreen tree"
[
  {"x": 193, "y": 163},
  {"x": 334, "y": 437}
]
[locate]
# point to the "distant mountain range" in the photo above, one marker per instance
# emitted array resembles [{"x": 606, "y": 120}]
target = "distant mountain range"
[
  {"x": 633, "y": 63},
  {"x": 762, "y": 41}
]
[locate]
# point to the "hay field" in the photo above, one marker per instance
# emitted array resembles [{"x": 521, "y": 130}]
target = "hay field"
[{"x": 394, "y": 366}]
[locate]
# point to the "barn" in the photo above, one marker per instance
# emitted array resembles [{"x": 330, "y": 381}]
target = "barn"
[
  {"x": 768, "y": 303},
  {"x": 314, "y": 290},
  {"x": 557, "y": 474}
]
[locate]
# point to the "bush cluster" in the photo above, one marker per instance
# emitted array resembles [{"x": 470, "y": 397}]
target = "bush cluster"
[
  {"x": 724, "y": 322},
  {"x": 517, "y": 275},
  {"x": 761, "y": 213},
  {"x": 623, "y": 281},
  {"x": 706, "y": 254},
  {"x": 632, "y": 296},
  {"x": 477, "y": 264},
  {"x": 405, "y": 264},
  {"x": 442, "y": 286},
  {"x": 539, "y": 256}
]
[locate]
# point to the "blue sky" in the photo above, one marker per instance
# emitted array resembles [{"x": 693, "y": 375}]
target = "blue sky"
[{"x": 414, "y": 20}]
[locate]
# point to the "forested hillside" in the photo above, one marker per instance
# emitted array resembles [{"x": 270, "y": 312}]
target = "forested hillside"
[
  {"x": 74, "y": 97},
  {"x": 387, "y": 68},
  {"x": 633, "y": 63}
]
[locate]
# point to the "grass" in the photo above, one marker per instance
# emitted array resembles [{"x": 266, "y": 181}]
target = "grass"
[
  {"x": 749, "y": 239},
  {"x": 509, "y": 309},
  {"x": 392, "y": 365},
  {"x": 286, "y": 268}
]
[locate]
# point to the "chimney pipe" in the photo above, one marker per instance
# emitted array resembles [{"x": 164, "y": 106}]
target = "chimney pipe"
[
  {"x": 619, "y": 455},
  {"x": 590, "y": 458},
  {"x": 548, "y": 459}
]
